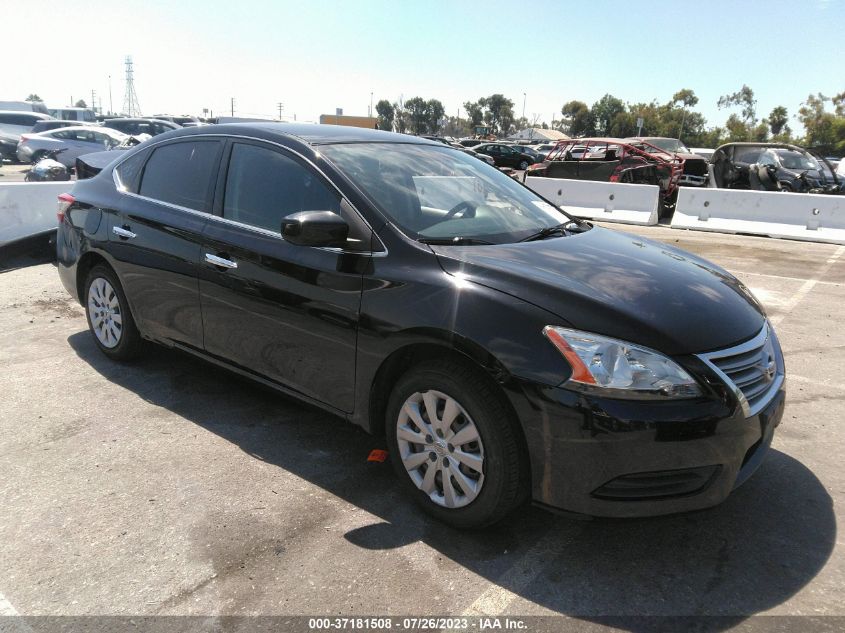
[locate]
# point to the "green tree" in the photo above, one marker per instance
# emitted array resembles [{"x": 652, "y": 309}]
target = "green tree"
[
  {"x": 743, "y": 98},
  {"x": 435, "y": 112},
  {"x": 687, "y": 99},
  {"x": 818, "y": 124},
  {"x": 34, "y": 97},
  {"x": 401, "y": 121},
  {"x": 500, "y": 111},
  {"x": 577, "y": 119},
  {"x": 475, "y": 112},
  {"x": 604, "y": 111},
  {"x": 737, "y": 129},
  {"x": 80, "y": 103},
  {"x": 418, "y": 114},
  {"x": 777, "y": 121},
  {"x": 385, "y": 115},
  {"x": 839, "y": 104}
]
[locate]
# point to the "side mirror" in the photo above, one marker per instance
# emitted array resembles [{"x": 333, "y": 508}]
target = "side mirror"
[{"x": 315, "y": 228}]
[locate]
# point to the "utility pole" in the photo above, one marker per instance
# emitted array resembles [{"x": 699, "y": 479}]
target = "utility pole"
[
  {"x": 371, "y": 104},
  {"x": 94, "y": 100},
  {"x": 281, "y": 107},
  {"x": 233, "y": 106},
  {"x": 524, "y": 97},
  {"x": 111, "y": 106}
]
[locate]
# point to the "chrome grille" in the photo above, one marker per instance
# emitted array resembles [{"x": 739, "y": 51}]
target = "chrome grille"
[{"x": 753, "y": 370}]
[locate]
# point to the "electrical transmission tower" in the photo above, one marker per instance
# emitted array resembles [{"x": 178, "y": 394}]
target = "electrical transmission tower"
[{"x": 131, "y": 107}]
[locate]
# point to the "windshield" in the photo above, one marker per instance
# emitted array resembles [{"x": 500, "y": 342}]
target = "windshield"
[
  {"x": 794, "y": 160},
  {"x": 433, "y": 192}
]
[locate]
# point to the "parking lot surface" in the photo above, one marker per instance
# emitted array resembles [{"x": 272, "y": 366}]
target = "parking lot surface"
[
  {"x": 12, "y": 173},
  {"x": 169, "y": 486}
]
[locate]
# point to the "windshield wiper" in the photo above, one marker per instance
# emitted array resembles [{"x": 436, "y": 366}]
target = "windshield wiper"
[
  {"x": 562, "y": 229},
  {"x": 452, "y": 241}
]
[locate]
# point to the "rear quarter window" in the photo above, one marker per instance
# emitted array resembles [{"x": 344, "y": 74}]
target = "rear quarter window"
[
  {"x": 128, "y": 173},
  {"x": 182, "y": 174}
]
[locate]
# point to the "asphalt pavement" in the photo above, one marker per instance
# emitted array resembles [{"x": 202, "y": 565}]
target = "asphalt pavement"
[{"x": 169, "y": 486}]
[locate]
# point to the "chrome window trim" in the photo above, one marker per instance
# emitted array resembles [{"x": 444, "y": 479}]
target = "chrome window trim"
[
  {"x": 757, "y": 342},
  {"x": 121, "y": 190}
]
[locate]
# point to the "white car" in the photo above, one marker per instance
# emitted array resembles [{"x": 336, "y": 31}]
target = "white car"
[{"x": 74, "y": 141}]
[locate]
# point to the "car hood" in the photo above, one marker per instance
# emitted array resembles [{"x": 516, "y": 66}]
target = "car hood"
[{"x": 619, "y": 285}]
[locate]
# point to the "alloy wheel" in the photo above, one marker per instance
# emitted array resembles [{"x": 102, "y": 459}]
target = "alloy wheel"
[{"x": 441, "y": 448}]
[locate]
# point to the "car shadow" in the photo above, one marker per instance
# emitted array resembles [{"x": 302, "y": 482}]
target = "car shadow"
[
  {"x": 39, "y": 249},
  {"x": 748, "y": 555}
]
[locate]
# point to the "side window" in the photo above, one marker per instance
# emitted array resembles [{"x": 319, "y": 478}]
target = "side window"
[
  {"x": 181, "y": 173},
  {"x": 61, "y": 134},
  {"x": 129, "y": 171},
  {"x": 263, "y": 186}
]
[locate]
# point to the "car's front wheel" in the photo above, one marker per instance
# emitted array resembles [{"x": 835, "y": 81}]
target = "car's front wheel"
[
  {"x": 454, "y": 444},
  {"x": 523, "y": 165},
  {"x": 108, "y": 314}
]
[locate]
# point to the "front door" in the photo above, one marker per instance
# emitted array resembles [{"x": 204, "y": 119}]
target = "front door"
[{"x": 288, "y": 313}]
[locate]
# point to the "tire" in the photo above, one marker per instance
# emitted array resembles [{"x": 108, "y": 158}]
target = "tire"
[
  {"x": 37, "y": 156},
  {"x": 785, "y": 187},
  {"x": 109, "y": 317},
  {"x": 523, "y": 165},
  {"x": 498, "y": 481}
]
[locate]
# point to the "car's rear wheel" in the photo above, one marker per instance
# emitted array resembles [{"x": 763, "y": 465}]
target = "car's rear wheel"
[
  {"x": 454, "y": 444},
  {"x": 785, "y": 187},
  {"x": 108, "y": 314},
  {"x": 523, "y": 165}
]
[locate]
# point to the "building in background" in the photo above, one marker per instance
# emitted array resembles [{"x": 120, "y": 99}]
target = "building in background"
[{"x": 352, "y": 121}]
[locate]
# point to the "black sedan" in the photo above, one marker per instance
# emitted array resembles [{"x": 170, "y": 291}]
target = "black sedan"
[
  {"x": 507, "y": 155},
  {"x": 507, "y": 350}
]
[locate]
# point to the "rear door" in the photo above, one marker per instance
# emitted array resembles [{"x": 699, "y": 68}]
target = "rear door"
[
  {"x": 155, "y": 235},
  {"x": 288, "y": 313}
]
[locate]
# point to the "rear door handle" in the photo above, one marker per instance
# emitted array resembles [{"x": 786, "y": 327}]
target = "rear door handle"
[
  {"x": 220, "y": 261},
  {"x": 122, "y": 233}
]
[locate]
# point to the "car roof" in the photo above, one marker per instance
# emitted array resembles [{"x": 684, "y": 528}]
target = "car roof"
[
  {"x": 137, "y": 118},
  {"x": 308, "y": 133},
  {"x": 40, "y": 115},
  {"x": 761, "y": 146},
  {"x": 87, "y": 128}
]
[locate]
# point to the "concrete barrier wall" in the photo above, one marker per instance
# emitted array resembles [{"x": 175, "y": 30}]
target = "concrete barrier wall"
[
  {"x": 28, "y": 208},
  {"x": 607, "y": 201},
  {"x": 799, "y": 216}
]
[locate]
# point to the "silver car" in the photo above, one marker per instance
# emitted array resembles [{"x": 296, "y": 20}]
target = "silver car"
[{"x": 75, "y": 141}]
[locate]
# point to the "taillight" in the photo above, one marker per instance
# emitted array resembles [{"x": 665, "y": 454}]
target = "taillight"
[
  {"x": 24, "y": 137},
  {"x": 65, "y": 200}
]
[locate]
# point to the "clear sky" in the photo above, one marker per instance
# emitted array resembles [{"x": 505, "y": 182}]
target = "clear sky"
[{"x": 317, "y": 55}]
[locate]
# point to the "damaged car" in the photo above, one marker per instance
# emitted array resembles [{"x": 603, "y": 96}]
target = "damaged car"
[
  {"x": 614, "y": 160},
  {"x": 773, "y": 167},
  {"x": 695, "y": 172}
]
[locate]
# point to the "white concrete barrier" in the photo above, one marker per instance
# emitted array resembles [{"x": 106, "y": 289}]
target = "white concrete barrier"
[
  {"x": 28, "y": 208},
  {"x": 799, "y": 216},
  {"x": 607, "y": 201}
]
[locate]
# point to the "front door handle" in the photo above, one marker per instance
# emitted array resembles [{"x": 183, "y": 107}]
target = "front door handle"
[
  {"x": 220, "y": 261},
  {"x": 122, "y": 233}
]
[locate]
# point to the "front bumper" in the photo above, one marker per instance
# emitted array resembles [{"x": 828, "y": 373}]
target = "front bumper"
[{"x": 615, "y": 458}]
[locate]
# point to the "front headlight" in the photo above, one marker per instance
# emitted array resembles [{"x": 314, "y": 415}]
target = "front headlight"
[{"x": 617, "y": 369}]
